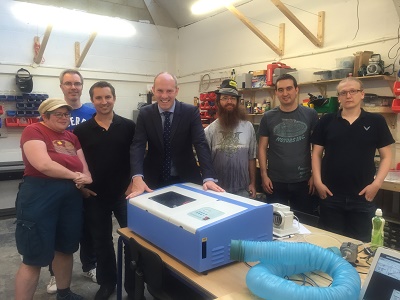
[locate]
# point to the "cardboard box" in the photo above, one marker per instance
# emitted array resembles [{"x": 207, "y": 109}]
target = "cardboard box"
[
  {"x": 259, "y": 72},
  {"x": 361, "y": 58}
]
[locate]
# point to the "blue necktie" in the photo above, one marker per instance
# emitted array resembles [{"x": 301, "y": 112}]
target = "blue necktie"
[{"x": 166, "y": 166}]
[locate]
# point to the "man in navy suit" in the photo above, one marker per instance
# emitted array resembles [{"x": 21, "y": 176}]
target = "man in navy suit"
[{"x": 186, "y": 131}]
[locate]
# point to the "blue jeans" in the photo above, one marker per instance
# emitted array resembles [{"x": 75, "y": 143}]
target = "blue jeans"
[
  {"x": 349, "y": 216},
  {"x": 293, "y": 194}
]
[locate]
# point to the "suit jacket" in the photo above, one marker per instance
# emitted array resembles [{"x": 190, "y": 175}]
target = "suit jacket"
[{"x": 186, "y": 132}]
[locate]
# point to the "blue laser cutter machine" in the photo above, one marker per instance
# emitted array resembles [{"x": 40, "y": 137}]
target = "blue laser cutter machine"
[{"x": 197, "y": 226}]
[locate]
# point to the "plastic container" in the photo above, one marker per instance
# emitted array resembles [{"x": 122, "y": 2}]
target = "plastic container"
[
  {"x": 11, "y": 122},
  {"x": 376, "y": 100},
  {"x": 23, "y": 122},
  {"x": 332, "y": 105},
  {"x": 20, "y": 105},
  {"x": 306, "y": 75},
  {"x": 341, "y": 73},
  {"x": 324, "y": 75},
  {"x": 11, "y": 113},
  {"x": 396, "y": 105},
  {"x": 377, "y": 235},
  {"x": 345, "y": 62}
]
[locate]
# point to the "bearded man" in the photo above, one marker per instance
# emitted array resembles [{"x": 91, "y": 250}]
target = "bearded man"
[{"x": 233, "y": 143}]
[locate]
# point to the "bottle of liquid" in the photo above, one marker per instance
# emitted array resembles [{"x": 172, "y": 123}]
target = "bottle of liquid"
[
  {"x": 233, "y": 74},
  {"x": 377, "y": 230}
]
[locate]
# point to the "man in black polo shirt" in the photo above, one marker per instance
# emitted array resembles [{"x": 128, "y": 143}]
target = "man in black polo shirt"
[
  {"x": 105, "y": 141},
  {"x": 345, "y": 175}
]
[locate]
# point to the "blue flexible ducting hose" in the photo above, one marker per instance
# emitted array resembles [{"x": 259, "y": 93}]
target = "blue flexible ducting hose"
[{"x": 279, "y": 259}]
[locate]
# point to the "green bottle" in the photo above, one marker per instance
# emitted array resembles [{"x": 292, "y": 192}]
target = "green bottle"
[{"x": 377, "y": 230}]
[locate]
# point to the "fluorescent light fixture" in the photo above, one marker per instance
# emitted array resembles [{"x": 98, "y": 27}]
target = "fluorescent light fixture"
[
  {"x": 205, "y": 6},
  {"x": 71, "y": 20}
]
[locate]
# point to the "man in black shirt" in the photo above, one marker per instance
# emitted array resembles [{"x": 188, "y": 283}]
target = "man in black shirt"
[
  {"x": 345, "y": 177},
  {"x": 105, "y": 140}
]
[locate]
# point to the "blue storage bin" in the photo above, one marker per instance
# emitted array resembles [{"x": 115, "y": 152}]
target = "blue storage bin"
[
  {"x": 20, "y": 105},
  {"x": 3, "y": 97},
  {"x": 29, "y": 106},
  {"x": 19, "y": 98},
  {"x": 10, "y": 98},
  {"x": 36, "y": 113},
  {"x": 11, "y": 113},
  {"x": 20, "y": 113},
  {"x": 28, "y": 113}
]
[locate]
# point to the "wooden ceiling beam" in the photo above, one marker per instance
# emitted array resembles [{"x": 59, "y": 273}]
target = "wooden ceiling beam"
[
  {"x": 316, "y": 40},
  {"x": 278, "y": 50}
]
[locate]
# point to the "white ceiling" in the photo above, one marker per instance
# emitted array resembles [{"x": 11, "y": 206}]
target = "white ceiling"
[{"x": 179, "y": 11}]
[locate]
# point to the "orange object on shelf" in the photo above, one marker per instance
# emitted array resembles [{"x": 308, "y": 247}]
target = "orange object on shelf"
[{"x": 396, "y": 105}]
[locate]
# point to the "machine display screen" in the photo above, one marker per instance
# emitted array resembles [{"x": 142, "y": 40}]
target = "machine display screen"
[{"x": 172, "y": 199}]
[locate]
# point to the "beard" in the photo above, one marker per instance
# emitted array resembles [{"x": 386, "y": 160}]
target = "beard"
[{"x": 229, "y": 119}]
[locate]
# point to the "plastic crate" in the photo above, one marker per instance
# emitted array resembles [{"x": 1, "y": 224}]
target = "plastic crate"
[
  {"x": 23, "y": 122},
  {"x": 331, "y": 106},
  {"x": 30, "y": 106},
  {"x": 20, "y": 105},
  {"x": 33, "y": 120},
  {"x": 11, "y": 113},
  {"x": 11, "y": 122}
]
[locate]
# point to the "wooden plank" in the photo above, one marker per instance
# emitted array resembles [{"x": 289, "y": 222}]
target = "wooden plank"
[
  {"x": 257, "y": 32},
  {"x": 316, "y": 40},
  {"x": 38, "y": 58},
  {"x": 79, "y": 58}
]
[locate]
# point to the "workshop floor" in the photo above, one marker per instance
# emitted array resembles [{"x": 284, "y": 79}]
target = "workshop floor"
[{"x": 10, "y": 261}]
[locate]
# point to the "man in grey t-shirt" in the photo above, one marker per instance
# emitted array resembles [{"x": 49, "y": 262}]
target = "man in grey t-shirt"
[
  {"x": 285, "y": 149},
  {"x": 233, "y": 144}
]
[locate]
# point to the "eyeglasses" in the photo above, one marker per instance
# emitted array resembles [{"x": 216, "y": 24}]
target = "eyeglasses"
[
  {"x": 59, "y": 115},
  {"x": 70, "y": 84},
  {"x": 351, "y": 92},
  {"x": 226, "y": 98}
]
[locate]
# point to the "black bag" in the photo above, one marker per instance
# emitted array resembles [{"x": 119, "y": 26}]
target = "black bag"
[{"x": 24, "y": 80}]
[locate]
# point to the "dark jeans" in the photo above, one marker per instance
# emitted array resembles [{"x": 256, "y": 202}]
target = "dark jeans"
[
  {"x": 86, "y": 251},
  {"x": 349, "y": 216},
  {"x": 294, "y": 195},
  {"x": 99, "y": 217}
]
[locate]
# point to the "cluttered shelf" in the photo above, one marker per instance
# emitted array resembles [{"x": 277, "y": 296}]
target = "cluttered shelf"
[{"x": 322, "y": 82}]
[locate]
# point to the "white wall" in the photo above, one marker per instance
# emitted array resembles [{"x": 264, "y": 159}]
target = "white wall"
[
  {"x": 213, "y": 46},
  {"x": 129, "y": 64},
  {"x": 222, "y": 42}
]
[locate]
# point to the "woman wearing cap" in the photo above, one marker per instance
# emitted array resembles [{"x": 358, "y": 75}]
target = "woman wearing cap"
[{"x": 49, "y": 202}]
